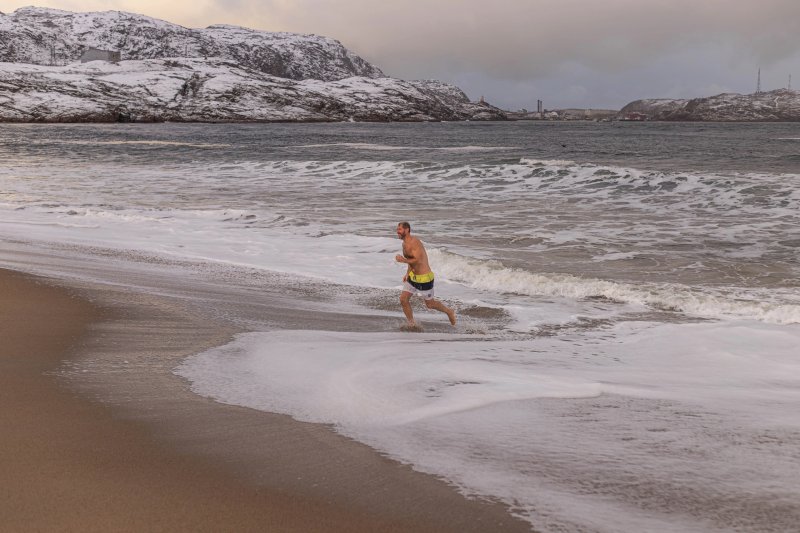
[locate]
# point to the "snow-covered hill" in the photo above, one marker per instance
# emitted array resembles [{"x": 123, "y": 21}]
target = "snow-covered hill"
[
  {"x": 779, "y": 105},
  {"x": 216, "y": 90},
  {"x": 49, "y": 36},
  {"x": 220, "y": 73}
]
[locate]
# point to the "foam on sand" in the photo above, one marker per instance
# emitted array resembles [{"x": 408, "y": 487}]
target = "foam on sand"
[{"x": 441, "y": 405}]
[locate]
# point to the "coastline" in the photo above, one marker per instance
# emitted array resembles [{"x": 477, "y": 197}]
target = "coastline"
[{"x": 169, "y": 459}]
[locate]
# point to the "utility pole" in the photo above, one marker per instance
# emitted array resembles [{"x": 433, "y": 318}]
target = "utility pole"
[
  {"x": 790, "y": 82},
  {"x": 758, "y": 83}
]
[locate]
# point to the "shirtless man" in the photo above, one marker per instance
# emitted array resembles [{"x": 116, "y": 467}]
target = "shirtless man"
[{"x": 419, "y": 277}]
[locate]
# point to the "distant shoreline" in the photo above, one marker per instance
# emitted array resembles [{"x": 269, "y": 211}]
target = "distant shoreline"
[{"x": 331, "y": 121}]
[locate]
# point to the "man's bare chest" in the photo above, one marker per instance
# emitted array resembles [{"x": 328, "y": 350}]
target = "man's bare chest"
[{"x": 408, "y": 250}]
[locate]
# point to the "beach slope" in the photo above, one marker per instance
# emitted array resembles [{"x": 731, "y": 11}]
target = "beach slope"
[{"x": 71, "y": 464}]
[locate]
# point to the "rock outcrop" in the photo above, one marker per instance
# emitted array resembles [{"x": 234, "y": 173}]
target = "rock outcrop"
[
  {"x": 775, "y": 106},
  {"x": 216, "y": 90}
]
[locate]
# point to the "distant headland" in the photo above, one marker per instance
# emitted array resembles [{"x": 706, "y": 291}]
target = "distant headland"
[{"x": 59, "y": 66}]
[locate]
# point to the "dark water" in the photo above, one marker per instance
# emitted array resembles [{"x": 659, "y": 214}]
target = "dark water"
[{"x": 738, "y": 147}]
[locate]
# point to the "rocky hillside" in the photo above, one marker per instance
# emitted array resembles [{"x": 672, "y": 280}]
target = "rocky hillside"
[
  {"x": 53, "y": 37},
  {"x": 211, "y": 90},
  {"x": 779, "y": 105},
  {"x": 220, "y": 73}
]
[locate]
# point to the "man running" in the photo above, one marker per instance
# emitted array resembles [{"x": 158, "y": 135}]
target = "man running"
[{"x": 419, "y": 277}]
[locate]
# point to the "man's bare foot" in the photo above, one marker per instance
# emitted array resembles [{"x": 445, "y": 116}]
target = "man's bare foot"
[
  {"x": 451, "y": 314},
  {"x": 412, "y": 327}
]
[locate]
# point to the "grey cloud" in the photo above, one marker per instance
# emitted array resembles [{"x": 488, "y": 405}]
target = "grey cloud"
[{"x": 519, "y": 39}]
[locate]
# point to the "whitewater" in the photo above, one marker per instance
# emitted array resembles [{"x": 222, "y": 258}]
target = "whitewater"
[{"x": 626, "y": 354}]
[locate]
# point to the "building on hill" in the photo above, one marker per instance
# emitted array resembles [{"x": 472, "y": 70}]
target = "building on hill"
[
  {"x": 94, "y": 54},
  {"x": 635, "y": 116}
]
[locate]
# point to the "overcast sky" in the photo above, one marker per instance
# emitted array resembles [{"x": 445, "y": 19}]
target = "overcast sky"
[{"x": 568, "y": 53}]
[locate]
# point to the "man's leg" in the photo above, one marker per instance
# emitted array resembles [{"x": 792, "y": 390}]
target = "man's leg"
[
  {"x": 439, "y": 306},
  {"x": 405, "y": 302}
]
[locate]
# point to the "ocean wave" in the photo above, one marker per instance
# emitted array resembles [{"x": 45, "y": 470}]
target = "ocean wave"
[
  {"x": 614, "y": 256},
  {"x": 388, "y": 147},
  {"x": 546, "y": 162},
  {"x": 495, "y": 277},
  {"x": 158, "y": 216},
  {"x": 657, "y": 191},
  {"x": 474, "y": 148},
  {"x": 145, "y": 142},
  {"x": 357, "y": 146}
]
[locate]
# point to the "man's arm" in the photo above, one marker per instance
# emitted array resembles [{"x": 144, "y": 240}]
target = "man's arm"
[{"x": 400, "y": 259}]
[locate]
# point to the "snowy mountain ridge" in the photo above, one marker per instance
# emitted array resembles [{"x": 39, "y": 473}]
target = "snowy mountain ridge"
[
  {"x": 44, "y": 36},
  {"x": 220, "y": 73}
]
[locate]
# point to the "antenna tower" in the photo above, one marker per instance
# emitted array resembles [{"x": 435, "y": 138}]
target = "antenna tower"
[{"x": 758, "y": 83}]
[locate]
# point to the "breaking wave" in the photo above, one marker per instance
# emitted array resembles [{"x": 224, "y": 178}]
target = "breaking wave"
[
  {"x": 546, "y": 162},
  {"x": 495, "y": 277},
  {"x": 389, "y": 147},
  {"x": 657, "y": 191},
  {"x": 146, "y": 143}
]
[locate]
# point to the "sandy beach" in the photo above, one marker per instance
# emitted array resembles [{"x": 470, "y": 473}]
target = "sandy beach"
[{"x": 74, "y": 464}]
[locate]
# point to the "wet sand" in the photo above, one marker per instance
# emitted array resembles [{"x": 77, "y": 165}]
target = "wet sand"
[{"x": 163, "y": 459}]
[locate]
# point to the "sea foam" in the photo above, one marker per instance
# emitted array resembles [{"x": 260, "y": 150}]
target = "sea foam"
[
  {"x": 226, "y": 235},
  {"x": 472, "y": 411},
  {"x": 494, "y": 277}
]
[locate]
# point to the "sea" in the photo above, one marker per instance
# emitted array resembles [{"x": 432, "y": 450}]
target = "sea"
[{"x": 627, "y": 356}]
